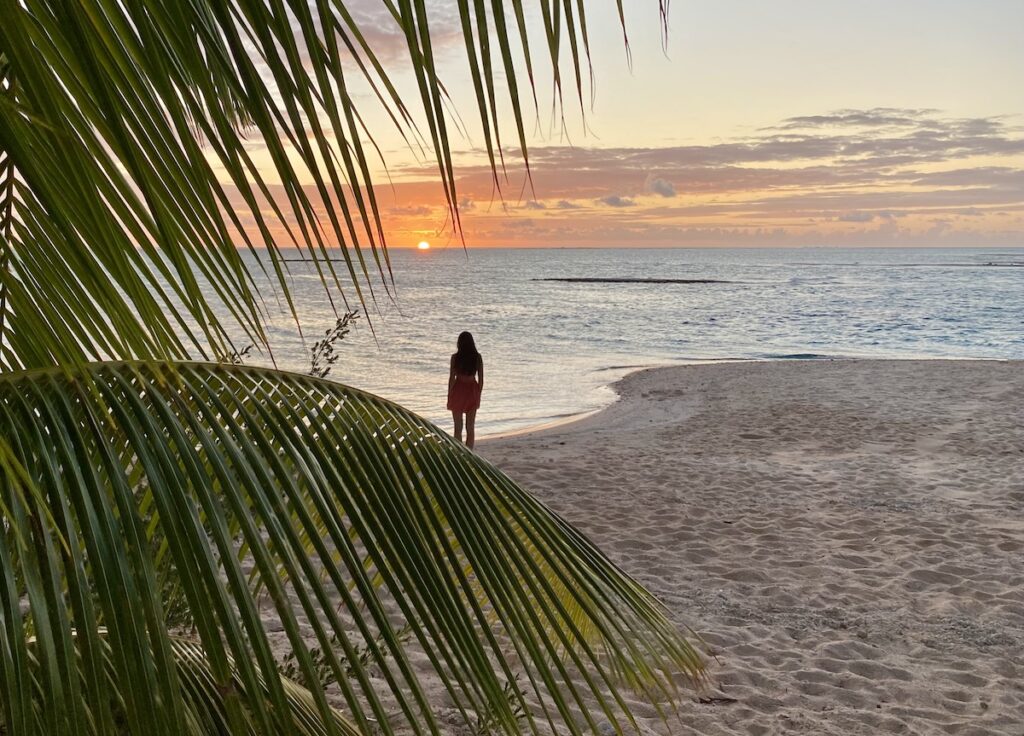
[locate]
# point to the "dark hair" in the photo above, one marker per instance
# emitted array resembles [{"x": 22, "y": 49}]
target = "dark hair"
[{"x": 467, "y": 359}]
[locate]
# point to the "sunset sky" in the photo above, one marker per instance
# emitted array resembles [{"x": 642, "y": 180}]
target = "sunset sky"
[{"x": 788, "y": 123}]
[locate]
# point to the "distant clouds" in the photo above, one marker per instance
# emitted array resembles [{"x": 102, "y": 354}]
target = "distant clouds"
[
  {"x": 415, "y": 211},
  {"x": 874, "y": 177},
  {"x": 615, "y": 200},
  {"x": 856, "y": 217},
  {"x": 827, "y": 154},
  {"x": 387, "y": 38},
  {"x": 657, "y": 185},
  {"x": 884, "y": 176},
  {"x": 877, "y": 117}
]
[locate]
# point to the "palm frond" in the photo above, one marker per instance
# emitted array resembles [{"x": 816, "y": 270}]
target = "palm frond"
[
  {"x": 203, "y": 698},
  {"x": 146, "y": 502},
  {"x": 127, "y": 128},
  {"x": 246, "y": 496}
]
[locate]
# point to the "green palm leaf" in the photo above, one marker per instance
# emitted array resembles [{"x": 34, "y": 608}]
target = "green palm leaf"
[
  {"x": 244, "y": 496},
  {"x": 126, "y": 168},
  {"x": 160, "y": 520},
  {"x": 202, "y": 696}
]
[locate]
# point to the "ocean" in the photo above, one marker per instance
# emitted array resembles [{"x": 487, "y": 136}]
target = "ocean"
[{"x": 551, "y": 348}]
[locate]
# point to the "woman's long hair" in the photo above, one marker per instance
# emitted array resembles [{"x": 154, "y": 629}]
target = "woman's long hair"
[{"x": 467, "y": 359}]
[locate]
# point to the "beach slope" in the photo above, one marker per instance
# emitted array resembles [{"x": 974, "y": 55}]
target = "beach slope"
[{"x": 847, "y": 536}]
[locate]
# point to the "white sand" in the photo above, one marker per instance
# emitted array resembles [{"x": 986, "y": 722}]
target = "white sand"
[{"x": 848, "y": 536}]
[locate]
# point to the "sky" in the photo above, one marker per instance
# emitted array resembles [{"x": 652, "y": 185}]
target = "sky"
[{"x": 784, "y": 123}]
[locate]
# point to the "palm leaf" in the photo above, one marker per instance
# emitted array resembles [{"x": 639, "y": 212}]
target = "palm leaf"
[
  {"x": 244, "y": 495},
  {"x": 202, "y": 696},
  {"x": 128, "y": 181},
  {"x": 150, "y": 501}
]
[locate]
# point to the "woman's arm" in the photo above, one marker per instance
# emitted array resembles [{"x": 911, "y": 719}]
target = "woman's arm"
[
  {"x": 480, "y": 370},
  {"x": 451, "y": 375}
]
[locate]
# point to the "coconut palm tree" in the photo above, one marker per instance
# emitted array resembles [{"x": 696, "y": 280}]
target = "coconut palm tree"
[{"x": 198, "y": 547}]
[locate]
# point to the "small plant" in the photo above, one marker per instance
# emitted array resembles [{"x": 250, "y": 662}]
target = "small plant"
[
  {"x": 289, "y": 666},
  {"x": 237, "y": 357},
  {"x": 489, "y": 721},
  {"x": 324, "y": 353}
]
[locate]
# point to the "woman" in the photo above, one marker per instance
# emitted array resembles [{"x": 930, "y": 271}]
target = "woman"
[{"x": 464, "y": 388}]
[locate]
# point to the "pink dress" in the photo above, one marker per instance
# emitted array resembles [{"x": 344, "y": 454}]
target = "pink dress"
[{"x": 465, "y": 394}]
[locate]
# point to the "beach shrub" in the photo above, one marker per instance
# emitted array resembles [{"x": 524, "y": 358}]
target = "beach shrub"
[{"x": 325, "y": 352}]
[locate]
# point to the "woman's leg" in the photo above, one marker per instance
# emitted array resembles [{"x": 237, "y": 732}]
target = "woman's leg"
[
  {"x": 457, "y": 419},
  {"x": 470, "y": 428}
]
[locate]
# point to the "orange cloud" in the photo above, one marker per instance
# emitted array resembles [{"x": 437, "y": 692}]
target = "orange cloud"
[{"x": 879, "y": 177}]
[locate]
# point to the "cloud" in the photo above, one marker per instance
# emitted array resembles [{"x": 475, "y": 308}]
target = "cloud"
[
  {"x": 873, "y": 118},
  {"x": 1001, "y": 177},
  {"x": 387, "y": 39},
  {"x": 410, "y": 211},
  {"x": 884, "y": 148},
  {"x": 885, "y": 173},
  {"x": 657, "y": 185},
  {"x": 466, "y": 204},
  {"x": 615, "y": 200}
]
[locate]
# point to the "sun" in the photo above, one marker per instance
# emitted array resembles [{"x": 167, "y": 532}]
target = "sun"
[{"x": 424, "y": 245}]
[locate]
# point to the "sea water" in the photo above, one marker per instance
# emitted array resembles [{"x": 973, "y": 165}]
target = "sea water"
[{"x": 551, "y": 348}]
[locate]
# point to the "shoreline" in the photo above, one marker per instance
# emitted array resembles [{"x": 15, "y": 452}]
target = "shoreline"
[
  {"x": 555, "y": 423},
  {"x": 847, "y": 536}
]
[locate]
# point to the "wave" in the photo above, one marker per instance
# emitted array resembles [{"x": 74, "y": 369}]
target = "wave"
[
  {"x": 936, "y": 264},
  {"x": 797, "y": 356},
  {"x": 603, "y": 280}
]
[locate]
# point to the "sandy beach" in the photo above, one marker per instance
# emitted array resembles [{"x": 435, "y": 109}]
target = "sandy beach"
[{"x": 847, "y": 536}]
